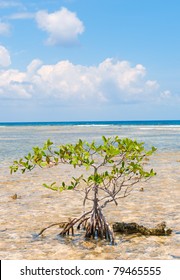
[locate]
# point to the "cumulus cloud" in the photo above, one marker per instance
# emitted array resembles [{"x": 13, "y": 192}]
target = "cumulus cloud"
[
  {"x": 63, "y": 26},
  {"x": 13, "y": 84},
  {"x": 5, "y": 59},
  {"x": 33, "y": 66},
  {"x": 109, "y": 82}
]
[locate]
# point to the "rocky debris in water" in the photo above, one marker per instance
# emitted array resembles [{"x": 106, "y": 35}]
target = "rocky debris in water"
[
  {"x": 2, "y": 230},
  {"x": 175, "y": 257},
  {"x": 129, "y": 228},
  {"x": 15, "y": 196}
]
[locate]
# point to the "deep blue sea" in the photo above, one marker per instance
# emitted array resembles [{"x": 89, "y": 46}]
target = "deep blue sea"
[{"x": 90, "y": 123}]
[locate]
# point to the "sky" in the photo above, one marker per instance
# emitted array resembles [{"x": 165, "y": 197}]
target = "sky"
[{"x": 79, "y": 60}]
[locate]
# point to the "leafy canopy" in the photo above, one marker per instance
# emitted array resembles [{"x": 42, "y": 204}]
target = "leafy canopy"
[{"x": 111, "y": 161}]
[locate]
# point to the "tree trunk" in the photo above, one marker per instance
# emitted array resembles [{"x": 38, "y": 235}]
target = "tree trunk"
[{"x": 97, "y": 226}]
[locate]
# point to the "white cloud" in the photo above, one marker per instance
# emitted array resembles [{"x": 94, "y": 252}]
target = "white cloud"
[
  {"x": 22, "y": 15},
  {"x": 5, "y": 59},
  {"x": 9, "y": 4},
  {"x": 152, "y": 84},
  {"x": 166, "y": 94},
  {"x": 33, "y": 66},
  {"x": 63, "y": 26},
  {"x": 122, "y": 76},
  {"x": 109, "y": 82},
  {"x": 13, "y": 85},
  {"x": 4, "y": 28}
]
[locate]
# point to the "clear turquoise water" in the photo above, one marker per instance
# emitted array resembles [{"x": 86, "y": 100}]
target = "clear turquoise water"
[{"x": 16, "y": 139}]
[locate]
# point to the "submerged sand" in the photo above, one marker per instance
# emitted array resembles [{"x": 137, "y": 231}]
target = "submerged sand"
[{"x": 35, "y": 207}]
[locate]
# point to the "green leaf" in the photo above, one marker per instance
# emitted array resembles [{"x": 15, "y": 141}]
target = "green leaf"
[
  {"x": 112, "y": 163},
  {"x": 52, "y": 186},
  {"x": 43, "y": 164},
  {"x": 104, "y": 139}
]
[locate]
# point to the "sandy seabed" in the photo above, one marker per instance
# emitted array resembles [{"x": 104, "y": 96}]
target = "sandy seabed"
[{"x": 36, "y": 207}]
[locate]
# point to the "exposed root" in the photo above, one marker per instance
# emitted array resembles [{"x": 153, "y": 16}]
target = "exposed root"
[
  {"x": 70, "y": 225},
  {"x": 62, "y": 224},
  {"x": 95, "y": 226},
  {"x": 83, "y": 223}
]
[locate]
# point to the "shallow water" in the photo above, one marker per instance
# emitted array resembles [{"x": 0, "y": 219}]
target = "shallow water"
[{"x": 37, "y": 207}]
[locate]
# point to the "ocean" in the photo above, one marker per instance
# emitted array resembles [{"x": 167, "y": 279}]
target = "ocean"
[
  {"x": 37, "y": 207},
  {"x": 16, "y": 139}
]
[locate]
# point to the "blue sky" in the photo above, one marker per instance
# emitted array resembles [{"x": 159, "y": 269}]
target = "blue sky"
[{"x": 63, "y": 60}]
